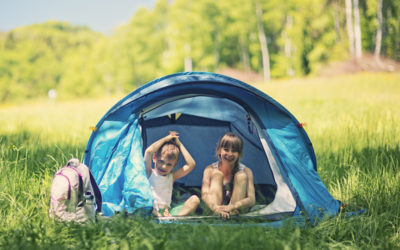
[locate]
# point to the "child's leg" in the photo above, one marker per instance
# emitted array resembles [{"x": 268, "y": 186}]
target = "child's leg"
[
  {"x": 215, "y": 192},
  {"x": 190, "y": 205},
  {"x": 240, "y": 183}
]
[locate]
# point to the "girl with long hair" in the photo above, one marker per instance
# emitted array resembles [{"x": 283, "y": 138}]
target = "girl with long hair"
[{"x": 228, "y": 187}]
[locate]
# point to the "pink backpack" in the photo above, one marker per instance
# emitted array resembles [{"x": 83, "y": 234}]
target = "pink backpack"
[{"x": 74, "y": 195}]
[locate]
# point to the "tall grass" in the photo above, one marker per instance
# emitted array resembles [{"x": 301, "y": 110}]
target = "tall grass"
[{"x": 353, "y": 122}]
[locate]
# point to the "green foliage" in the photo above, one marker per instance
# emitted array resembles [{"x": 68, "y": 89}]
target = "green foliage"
[
  {"x": 207, "y": 35},
  {"x": 34, "y": 58},
  {"x": 351, "y": 120},
  {"x": 390, "y": 29}
]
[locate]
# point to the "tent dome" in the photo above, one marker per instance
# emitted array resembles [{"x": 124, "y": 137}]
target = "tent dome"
[{"x": 203, "y": 106}]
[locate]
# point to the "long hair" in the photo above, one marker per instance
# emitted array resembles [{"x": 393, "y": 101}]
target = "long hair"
[{"x": 231, "y": 140}]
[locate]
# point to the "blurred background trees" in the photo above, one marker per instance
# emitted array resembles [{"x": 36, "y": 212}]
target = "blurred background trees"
[{"x": 273, "y": 38}]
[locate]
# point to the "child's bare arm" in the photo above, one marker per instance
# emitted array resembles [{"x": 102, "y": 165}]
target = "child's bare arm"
[
  {"x": 190, "y": 163},
  {"x": 153, "y": 148}
]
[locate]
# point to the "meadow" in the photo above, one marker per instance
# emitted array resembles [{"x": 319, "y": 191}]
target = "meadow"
[{"x": 353, "y": 122}]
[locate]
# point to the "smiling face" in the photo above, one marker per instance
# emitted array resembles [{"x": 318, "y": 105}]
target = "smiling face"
[
  {"x": 230, "y": 148},
  {"x": 166, "y": 159},
  {"x": 164, "y": 166},
  {"x": 229, "y": 155}
]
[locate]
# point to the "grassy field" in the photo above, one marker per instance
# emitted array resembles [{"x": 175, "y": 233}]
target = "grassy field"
[{"x": 353, "y": 122}]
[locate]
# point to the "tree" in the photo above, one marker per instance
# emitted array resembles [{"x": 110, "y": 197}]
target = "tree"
[
  {"x": 263, "y": 43},
  {"x": 33, "y": 57},
  {"x": 350, "y": 27},
  {"x": 357, "y": 30},
  {"x": 274, "y": 38},
  {"x": 354, "y": 28},
  {"x": 379, "y": 31}
]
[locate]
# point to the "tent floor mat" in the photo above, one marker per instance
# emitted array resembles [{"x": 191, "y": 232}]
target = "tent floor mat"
[{"x": 235, "y": 218}]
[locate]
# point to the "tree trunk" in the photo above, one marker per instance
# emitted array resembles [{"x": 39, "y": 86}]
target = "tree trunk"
[
  {"x": 336, "y": 20},
  {"x": 288, "y": 42},
  {"x": 350, "y": 30},
  {"x": 263, "y": 43},
  {"x": 217, "y": 47},
  {"x": 357, "y": 30},
  {"x": 378, "y": 43},
  {"x": 397, "y": 40},
  {"x": 288, "y": 45},
  {"x": 188, "y": 58},
  {"x": 245, "y": 56}
]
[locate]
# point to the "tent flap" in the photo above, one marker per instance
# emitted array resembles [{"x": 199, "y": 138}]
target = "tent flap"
[{"x": 124, "y": 185}]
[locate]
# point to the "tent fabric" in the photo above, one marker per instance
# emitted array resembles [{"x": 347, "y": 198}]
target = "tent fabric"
[
  {"x": 202, "y": 106},
  {"x": 123, "y": 182}
]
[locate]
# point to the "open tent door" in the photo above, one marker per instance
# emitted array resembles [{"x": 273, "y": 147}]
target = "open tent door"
[{"x": 200, "y": 133}]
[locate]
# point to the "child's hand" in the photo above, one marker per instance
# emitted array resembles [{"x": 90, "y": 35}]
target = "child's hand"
[
  {"x": 174, "y": 136},
  {"x": 221, "y": 211},
  {"x": 225, "y": 211},
  {"x": 170, "y": 137},
  {"x": 229, "y": 208},
  {"x": 166, "y": 213}
]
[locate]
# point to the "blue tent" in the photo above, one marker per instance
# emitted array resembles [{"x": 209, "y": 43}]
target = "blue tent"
[{"x": 201, "y": 107}]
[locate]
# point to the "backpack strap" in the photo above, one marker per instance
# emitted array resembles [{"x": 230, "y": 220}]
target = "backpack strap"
[
  {"x": 97, "y": 193},
  {"x": 80, "y": 184},
  {"x": 69, "y": 183}
]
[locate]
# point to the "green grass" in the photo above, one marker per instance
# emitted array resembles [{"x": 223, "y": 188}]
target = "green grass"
[{"x": 353, "y": 122}]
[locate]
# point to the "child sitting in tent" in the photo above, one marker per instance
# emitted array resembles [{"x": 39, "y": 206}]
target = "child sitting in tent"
[
  {"x": 165, "y": 155},
  {"x": 228, "y": 186}
]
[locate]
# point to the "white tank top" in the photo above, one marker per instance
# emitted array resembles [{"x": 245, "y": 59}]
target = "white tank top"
[{"x": 161, "y": 188}]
